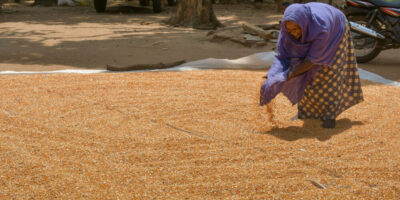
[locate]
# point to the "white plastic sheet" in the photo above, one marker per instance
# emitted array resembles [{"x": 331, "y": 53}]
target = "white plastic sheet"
[{"x": 255, "y": 61}]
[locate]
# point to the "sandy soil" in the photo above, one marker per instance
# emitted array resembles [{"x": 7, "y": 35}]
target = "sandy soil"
[
  {"x": 58, "y": 38},
  {"x": 174, "y": 135}
]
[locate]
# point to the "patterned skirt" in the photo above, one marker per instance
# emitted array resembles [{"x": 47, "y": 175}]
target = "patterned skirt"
[{"x": 336, "y": 88}]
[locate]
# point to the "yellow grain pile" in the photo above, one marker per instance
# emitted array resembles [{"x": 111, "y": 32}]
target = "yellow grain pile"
[{"x": 194, "y": 135}]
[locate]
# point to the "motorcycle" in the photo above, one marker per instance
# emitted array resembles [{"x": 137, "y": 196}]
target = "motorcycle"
[{"x": 375, "y": 26}]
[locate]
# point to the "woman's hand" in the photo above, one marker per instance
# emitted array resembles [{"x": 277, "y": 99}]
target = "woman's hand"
[
  {"x": 289, "y": 75},
  {"x": 299, "y": 69}
]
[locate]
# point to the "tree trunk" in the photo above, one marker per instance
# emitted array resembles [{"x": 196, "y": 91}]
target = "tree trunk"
[{"x": 195, "y": 13}]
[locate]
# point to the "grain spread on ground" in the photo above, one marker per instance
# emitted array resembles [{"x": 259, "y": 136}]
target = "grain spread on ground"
[{"x": 196, "y": 135}]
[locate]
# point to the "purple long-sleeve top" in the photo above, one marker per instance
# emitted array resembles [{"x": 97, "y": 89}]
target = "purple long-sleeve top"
[{"x": 322, "y": 28}]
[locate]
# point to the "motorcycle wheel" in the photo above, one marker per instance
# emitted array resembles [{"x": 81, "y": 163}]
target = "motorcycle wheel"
[
  {"x": 366, "y": 48},
  {"x": 100, "y": 5},
  {"x": 171, "y": 2},
  {"x": 144, "y": 2},
  {"x": 158, "y": 5}
]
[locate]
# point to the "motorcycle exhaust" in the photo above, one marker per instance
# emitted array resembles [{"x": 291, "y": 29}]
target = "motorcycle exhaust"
[{"x": 366, "y": 31}]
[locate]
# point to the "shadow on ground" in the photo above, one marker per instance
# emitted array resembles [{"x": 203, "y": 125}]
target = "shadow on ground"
[
  {"x": 312, "y": 129},
  {"x": 79, "y": 37}
]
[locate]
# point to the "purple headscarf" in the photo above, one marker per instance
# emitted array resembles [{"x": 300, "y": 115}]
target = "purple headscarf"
[{"x": 322, "y": 28}]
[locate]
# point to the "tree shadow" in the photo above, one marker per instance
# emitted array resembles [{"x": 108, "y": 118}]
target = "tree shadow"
[
  {"x": 127, "y": 9},
  {"x": 114, "y": 14},
  {"x": 107, "y": 38},
  {"x": 312, "y": 129}
]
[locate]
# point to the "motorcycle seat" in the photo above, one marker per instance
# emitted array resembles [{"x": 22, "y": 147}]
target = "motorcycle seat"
[{"x": 386, "y": 3}]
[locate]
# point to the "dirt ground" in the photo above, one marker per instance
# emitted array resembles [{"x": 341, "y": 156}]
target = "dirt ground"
[
  {"x": 174, "y": 135},
  {"x": 47, "y": 38},
  {"x": 58, "y": 38}
]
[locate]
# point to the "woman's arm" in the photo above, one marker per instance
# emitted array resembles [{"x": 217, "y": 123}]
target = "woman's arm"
[{"x": 299, "y": 69}]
